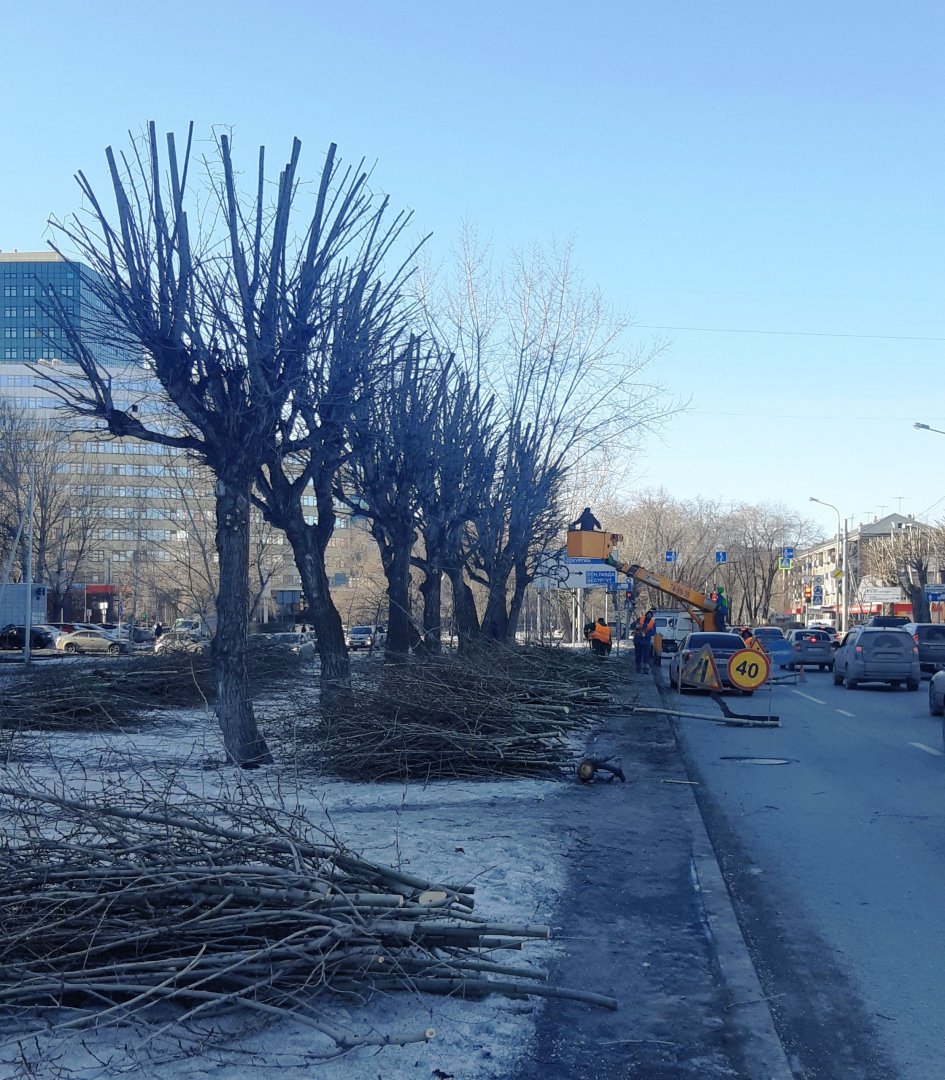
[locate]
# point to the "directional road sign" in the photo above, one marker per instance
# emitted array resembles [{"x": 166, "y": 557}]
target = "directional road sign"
[
  {"x": 935, "y": 594},
  {"x": 671, "y": 556},
  {"x": 787, "y": 553},
  {"x": 721, "y": 556}
]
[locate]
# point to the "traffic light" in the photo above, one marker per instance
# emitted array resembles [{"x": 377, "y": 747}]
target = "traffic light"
[{"x": 808, "y": 592}]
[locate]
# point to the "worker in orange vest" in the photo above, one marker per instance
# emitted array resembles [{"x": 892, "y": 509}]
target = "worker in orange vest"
[
  {"x": 642, "y": 631},
  {"x": 599, "y": 638}
]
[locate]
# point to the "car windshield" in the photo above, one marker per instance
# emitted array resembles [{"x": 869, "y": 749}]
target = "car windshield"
[
  {"x": 932, "y": 633},
  {"x": 362, "y": 630},
  {"x": 767, "y": 632}
]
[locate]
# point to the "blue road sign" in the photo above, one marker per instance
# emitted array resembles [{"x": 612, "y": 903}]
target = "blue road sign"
[
  {"x": 670, "y": 556},
  {"x": 817, "y": 595},
  {"x": 721, "y": 556},
  {"x": 785, "y": 563},
  {"x": 935, "y": 594},
  {"x": 600, "y": 577},
  {"x": 787, "y": 553}
]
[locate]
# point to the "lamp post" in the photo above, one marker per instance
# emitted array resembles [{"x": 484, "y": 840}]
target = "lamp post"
[
  {"x": 842, "y": 546},
  {"x": 925, "y": 427}
]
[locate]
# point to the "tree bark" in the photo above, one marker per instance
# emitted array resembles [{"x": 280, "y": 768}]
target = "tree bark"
[
  {"x": 395, "y": 558},
  {"x": 431, "y": 589},
  {"x": 234, "y": 707},
  {"x": 464, "y": 610}
]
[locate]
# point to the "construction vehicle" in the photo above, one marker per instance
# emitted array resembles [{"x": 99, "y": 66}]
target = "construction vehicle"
[{"x": 587, "y": 544}]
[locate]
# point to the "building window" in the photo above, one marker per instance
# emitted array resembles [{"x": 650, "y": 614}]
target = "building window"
[
  {"x": 9, "y": 331},
  {"x": 29, "y": 290},
  {"x": 9, "y": 290},
  {"x": 9, "y": 354},
  {"x": 29, "y": 354},
  {"x": 29, "y": 313},
  {"x": 9, "y": 312}
]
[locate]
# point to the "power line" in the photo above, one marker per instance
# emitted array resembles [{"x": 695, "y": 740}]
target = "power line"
[{"x": 790, "y": 333}]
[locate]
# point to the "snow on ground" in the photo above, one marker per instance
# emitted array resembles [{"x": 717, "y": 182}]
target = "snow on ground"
[{"x": 483, "y": 833}]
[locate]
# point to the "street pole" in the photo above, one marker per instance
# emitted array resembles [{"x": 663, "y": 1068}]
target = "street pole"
[
  {"x": 844, "y": 588},
  {"x": 842, "y": 556},
  {"x": 28, "y": 621}
]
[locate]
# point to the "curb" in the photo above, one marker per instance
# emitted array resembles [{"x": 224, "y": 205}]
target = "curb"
[{"x": 751, "y": 1014}]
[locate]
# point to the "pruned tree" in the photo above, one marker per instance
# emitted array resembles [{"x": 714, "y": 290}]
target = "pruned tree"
[
  {"x": 392, "y": 462},
  {"x": 449, "y": 499}
]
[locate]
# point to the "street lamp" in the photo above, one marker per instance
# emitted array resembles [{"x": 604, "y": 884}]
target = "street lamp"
[
  {"x": 925, "y": 427},
  {"x": 842, "y": 545}
]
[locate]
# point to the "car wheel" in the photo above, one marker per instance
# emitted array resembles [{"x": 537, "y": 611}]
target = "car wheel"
[
  {"x": 895, "y": 684},
  {"x": 935, "y": 708},
  {"x": 71, "y": 648},
  {"x": 792, "y": 667},
  {"x": 821, "y": 667},
  {"x": 837, "y": 679},
  {"x": 912, "y": 684},
  {"x": 114, "y": 650},
  {"x": 851, "y": 683}
]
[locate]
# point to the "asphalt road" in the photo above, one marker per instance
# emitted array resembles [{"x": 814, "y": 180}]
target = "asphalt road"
[{"x": 836, "y": 864}]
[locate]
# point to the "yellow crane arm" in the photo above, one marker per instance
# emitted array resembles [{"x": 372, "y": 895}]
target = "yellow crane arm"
[{"x": 695, "y": 601}]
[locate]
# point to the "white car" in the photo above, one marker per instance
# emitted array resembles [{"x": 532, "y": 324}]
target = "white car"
[
  {"x": 365, "y": 637},
  {"x": 181, "y": 641}
]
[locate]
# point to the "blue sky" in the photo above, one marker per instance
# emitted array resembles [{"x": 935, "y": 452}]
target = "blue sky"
[{"x": 738, "y": 167}]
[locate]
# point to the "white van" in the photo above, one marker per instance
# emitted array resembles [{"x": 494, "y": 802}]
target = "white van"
[{"x": 674, "y": 625}]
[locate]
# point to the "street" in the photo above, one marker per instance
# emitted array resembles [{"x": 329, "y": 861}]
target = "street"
[{"x": 836, "y": 863}]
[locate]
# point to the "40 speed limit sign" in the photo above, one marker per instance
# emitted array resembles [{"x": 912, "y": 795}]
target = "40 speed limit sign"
[{"x": 748, "y": 669}]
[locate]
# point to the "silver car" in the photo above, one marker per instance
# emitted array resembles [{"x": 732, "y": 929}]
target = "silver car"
[
  {"x": 723, "y": 646},
  {"x": 810, "y": 647},
  {"x": 91, "y": 641},
  {"x": 877, "y": 654}
]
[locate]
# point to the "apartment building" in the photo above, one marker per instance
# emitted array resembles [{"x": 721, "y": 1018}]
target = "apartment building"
[
  {"x": 817, "y": 580},
  {"x": 134, "y": 529}
]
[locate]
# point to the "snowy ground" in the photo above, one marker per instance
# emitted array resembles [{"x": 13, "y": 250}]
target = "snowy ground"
[{"x": 483, "y": 833}]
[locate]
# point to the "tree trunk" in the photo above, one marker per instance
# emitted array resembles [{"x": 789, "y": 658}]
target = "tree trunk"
[
  {"x": 431, "y": 589},
  {"x": 335, "y": 679},
  {"x": 464, "y": 610},
  {"x": 495, "y": 621},
  {"x": 234, "y": 706},
  {"x": 395, "y": 557}
]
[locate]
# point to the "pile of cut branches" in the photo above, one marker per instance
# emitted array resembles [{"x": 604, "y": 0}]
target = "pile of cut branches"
[
  {"x": 116, "y": 904},
  {"x": 506, "y": 713},
  {"x": 60, "y": 696}
]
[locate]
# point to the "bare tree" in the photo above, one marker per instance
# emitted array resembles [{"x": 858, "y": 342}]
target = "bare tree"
[
  {"x": 392, "y": 461},
  {"x": 67, "y": 512},
  {"x": 905, "y": 559},
  {"x": 566, "y": 384}
]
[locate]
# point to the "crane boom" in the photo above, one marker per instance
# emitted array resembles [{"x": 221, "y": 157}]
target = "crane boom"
[{"x": 701, "y": 606}]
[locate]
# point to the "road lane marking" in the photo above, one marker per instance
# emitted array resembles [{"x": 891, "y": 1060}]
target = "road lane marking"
[
  {"x": 845, "y": 713},
  {"x": 800, "y": 693},
  {"x": 927, "y": 749}
]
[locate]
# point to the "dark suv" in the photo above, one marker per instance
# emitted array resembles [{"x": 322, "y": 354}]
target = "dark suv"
[
  {"x": 887, "y": 620},
  {"x": 14, "y": 637},
  {"x": 930, "y": 637}
]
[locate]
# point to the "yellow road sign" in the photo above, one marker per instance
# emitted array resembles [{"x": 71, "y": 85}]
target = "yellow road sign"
[
  {"x": 748, "y": 669},
  {"x": 701, "y": 670},
  {"x": 756, "y": 645}
]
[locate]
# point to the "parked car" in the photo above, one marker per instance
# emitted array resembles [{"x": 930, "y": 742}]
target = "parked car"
[
  {"x": 937, "y": 695},
  {"x": 14, "y": 637},
  {"x": 365, "y": 637},
  {"x": 301, "y": 642},
  {"x": 138, "y": 635},
  {"x": 877, "y": 654},
  {"x": 91, "y": 641},
  {"x": 930, "y": 637},
  {"x": 810, "y": 647},
  {"x": 181, "y": 641},
  {"x": 723, "y": 645},
  {"x": 53, "y": 631}
]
